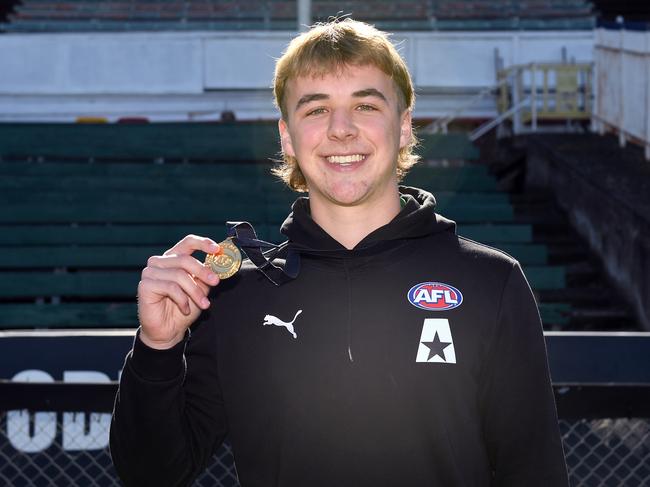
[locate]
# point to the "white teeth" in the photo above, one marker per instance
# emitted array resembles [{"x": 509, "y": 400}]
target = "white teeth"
[{"x": 345, "y": 159}]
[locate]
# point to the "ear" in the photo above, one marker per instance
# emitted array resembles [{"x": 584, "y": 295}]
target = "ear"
[
  {"x": 285, "y": 139},
  {"x": 406, "y": 129}
]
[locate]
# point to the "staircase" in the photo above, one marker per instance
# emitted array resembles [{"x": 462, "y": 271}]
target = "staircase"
[{"x": 589, "y": 301}]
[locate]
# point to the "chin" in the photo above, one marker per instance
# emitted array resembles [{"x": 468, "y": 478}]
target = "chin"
[
  {"x": 348, "y": 193},
  {"x": 347, "y": 199}
]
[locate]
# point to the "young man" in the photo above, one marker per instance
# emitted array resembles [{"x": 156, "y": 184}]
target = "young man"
[{"x": 401, "y": 354}]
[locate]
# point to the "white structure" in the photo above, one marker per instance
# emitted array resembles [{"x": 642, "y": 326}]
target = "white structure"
[
  {"x": 623, "y": 85},
  {"x": 183, "y": 76}
]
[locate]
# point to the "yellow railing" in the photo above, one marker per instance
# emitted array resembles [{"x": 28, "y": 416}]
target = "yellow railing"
[{"x": 555, "y": 91}]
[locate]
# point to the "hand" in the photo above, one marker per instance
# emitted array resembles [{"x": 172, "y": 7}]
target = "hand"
[{"x": 173, "y": 290}]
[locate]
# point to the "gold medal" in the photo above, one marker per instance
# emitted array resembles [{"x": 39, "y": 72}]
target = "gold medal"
[{"x": 227, "y": 262}]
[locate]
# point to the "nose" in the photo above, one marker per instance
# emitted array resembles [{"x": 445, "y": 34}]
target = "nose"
[{"x": 341, "y": 125}]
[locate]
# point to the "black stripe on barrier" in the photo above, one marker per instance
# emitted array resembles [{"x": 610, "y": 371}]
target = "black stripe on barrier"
[
  {"x": 591, "y": 401},
  {"x": 57, "y": 396},
  {"x": 574, "y": 401}
]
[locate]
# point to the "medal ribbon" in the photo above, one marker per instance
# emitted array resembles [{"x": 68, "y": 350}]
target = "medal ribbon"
[{"x": 244, "y": 236}]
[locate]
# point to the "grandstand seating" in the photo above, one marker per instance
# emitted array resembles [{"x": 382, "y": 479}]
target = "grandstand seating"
[
  {"x": 94, "y": 15},
  {"x": 74, "y": 234},
  {"x": 175, "y": 141}
]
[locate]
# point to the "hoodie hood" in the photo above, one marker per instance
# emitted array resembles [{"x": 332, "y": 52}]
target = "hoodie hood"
[{"x": 416, "y": 219}]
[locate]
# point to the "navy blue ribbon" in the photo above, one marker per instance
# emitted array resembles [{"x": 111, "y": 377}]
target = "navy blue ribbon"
[{"x": 262, "y": 253}]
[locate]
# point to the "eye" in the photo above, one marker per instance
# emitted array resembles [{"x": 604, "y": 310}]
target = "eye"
[
  {"x": 366, "y": 108},
  {"x": 316, "y": 111}
]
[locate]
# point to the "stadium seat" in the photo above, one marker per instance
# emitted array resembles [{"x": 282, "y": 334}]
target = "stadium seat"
[
  {"x": 72, "y": 256},
  {"x": 126, "y": 15}
]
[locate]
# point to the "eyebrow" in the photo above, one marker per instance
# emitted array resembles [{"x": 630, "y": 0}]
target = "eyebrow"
[
  {"x": 370, "y": 92},
  {"x": 311, "y": 97},
  {"x": 357, "y": 94}
]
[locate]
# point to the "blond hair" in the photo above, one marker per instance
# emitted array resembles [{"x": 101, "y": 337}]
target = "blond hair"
[{"x": 329, "y": 47}]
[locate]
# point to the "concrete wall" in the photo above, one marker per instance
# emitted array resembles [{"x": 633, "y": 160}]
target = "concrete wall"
[
  {"x": 606, "y": 200},
  {"x": 196, "y": 75}
]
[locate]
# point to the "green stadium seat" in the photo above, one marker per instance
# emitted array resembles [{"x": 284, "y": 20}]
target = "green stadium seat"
[
  {"x": 95, "y": 284},
  {"x": 182, "y": 141},
  {"x": 457, "y": 179},
  {"x": 556, "y": 314},
  {"x": 72, "y": 255},
  {"x": 75, "y": 256},
  {"x": 445, "y": 198},
  {"x": 104, "y": 234},
  {"x": 497, "y": 233},
  {"x": 477, "y": 213},
  {"x": 546, "y": 277},
  {"x": 526, "y": 254},
  {"x": 68, "y": 315}
]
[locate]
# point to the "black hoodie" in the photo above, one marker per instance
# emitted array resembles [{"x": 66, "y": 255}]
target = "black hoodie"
[{"x": 415, "y": 359}]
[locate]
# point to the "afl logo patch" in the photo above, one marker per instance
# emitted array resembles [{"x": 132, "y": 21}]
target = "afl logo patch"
[{"x": 435, "y": 296}]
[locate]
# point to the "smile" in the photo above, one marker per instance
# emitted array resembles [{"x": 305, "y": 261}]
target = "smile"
[{"x": 345, "y": 160}]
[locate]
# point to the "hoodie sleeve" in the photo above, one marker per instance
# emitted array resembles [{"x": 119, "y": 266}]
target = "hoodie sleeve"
[
  {"x": 169, "y": 417},
  {"x": 519, "y": 415}
]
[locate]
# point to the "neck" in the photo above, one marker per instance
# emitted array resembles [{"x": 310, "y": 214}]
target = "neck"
[{"x": 349, "y": 225}]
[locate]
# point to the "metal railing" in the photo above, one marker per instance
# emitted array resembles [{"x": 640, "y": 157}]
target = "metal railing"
[
  {"x": 555, "y": 91},
  {"x": 530, "y": 93},
  {"x": 440, "y": 125}
]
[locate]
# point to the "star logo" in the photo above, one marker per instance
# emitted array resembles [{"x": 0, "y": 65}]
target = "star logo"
[
  {"x": 436, "y": 347},
  {"x": 436, "y": 343}
]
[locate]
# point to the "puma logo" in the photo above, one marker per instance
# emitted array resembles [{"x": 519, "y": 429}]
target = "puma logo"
[{"x": 272, "y": 320}]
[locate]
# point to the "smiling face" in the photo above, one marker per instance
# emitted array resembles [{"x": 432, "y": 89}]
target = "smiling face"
[{"x": 346, "y": 129}]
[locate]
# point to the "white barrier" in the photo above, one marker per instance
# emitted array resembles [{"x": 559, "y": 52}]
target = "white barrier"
[
  {"x": 622, "y": 60},
  {"x": 197, "y": 75}
]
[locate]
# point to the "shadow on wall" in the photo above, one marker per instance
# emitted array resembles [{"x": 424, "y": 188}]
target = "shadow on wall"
[{"x": 605, "y": 191}]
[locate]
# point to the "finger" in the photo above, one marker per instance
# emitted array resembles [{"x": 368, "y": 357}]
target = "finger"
[
  {"x": 187, "y": 283},
  {"x": 191, "y": 243},
  {"x": 148, "y": 287},
  {"x": 204, "y": 287},
  {"x": 188, "y": 263}
]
